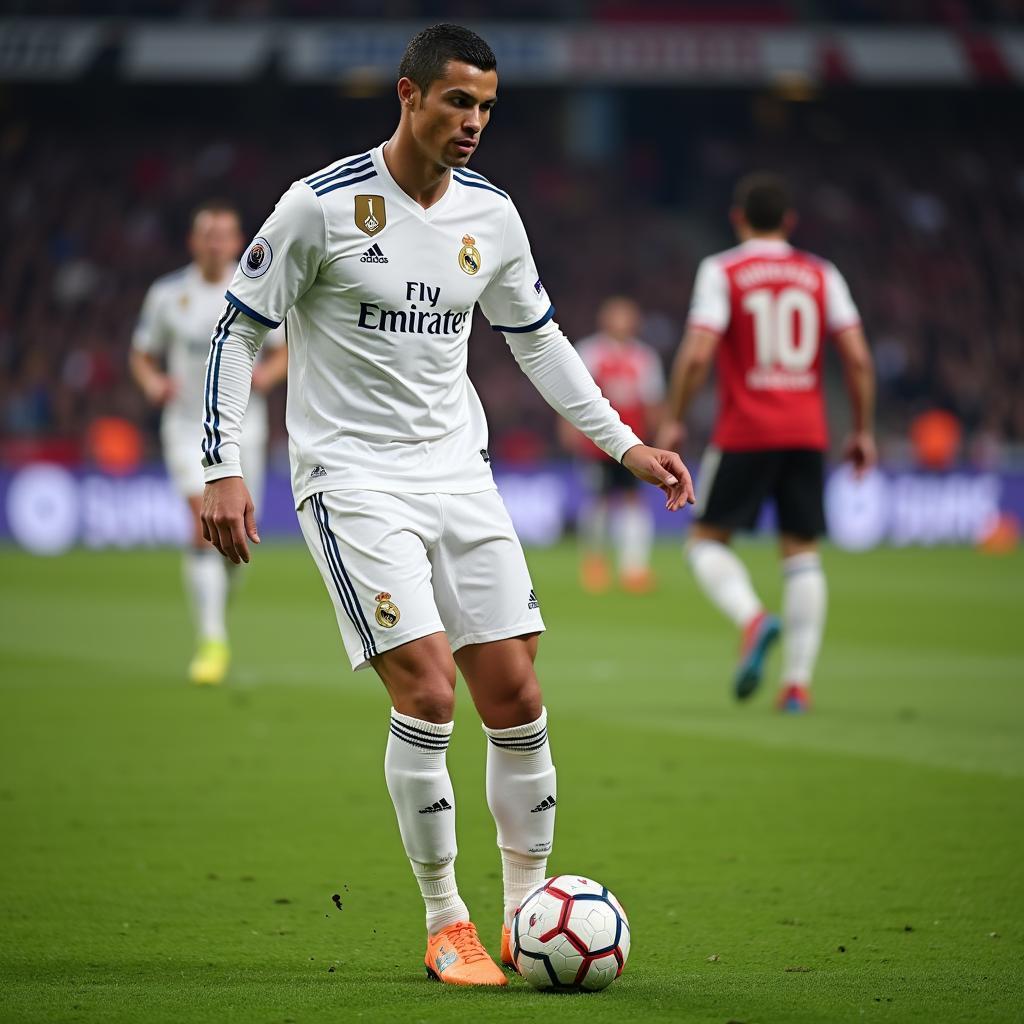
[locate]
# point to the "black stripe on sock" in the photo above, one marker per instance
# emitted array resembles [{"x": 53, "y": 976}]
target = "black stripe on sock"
[
  {"x": 417, "y": 743},
  {"x": 439, "y": 742}
]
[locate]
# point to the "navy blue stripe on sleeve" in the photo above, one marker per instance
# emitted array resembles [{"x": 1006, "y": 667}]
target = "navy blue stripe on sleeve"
[
  {"x": 529, "y": 327},
  {"x": 250, "y": 312}
]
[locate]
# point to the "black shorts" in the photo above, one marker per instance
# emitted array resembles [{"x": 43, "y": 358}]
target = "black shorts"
[
  {"x": 607, "y": 477},
  {"x": 732, "y": 486}
]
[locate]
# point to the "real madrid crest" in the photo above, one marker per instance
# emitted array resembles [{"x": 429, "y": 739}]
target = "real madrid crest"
[
  {"x": 371, "y": 216},
  {"x": 387, "y": 613},
  {"x": 469, "y": 255}
]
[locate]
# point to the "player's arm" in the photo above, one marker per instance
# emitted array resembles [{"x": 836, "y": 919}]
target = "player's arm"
[
  {"x": 149, "y": 343},
  {"x": 859, "y": 373},
  {"x": 690, "y": 370},
  {"x": 274, "y": 272},
  {"x": 708, "y": 318},
  {"x": 516, "y": 304},
  {"x": 273, "y": 367},
  {"x": 843, "y": 322}
]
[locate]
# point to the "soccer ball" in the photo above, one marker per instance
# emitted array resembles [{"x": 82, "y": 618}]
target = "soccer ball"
[{"x": 570, "y": 935}]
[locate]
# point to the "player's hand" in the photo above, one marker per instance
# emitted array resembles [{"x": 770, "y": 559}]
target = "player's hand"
[
  {"x": 229, "y": 518},
  {"x": 671, "y": 435},
  {"x": 664, "y": 470},
  {"x": 160, "y": 389},
  {"x": 860, "y": 451}
]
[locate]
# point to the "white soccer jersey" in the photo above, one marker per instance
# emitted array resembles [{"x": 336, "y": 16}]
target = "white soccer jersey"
[
  {"x": 178, "y": 315},
  {"x": 377, "y": 294}
]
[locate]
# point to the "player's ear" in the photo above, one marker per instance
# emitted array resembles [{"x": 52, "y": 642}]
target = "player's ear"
[
  {"x": 408, "y": 93},
  {"x": 736, "y": 218},
  {"x": 790, "y": 221}
]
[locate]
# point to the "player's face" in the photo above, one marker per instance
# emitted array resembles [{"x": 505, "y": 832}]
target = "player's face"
[
  {"x": 215, "y": 241},
  {"x": 620, "y": 318},
  {"x": 448, "y": 120}
]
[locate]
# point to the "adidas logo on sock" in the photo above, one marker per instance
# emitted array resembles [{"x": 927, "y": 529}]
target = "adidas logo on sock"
[
  {"x": 318, "y": 471},
  {"x": 531, "y": 601},
  {"x": 436, "y": 807},
  {"x": 546, "y": 804},
  {"x": 374, "y": 255}
]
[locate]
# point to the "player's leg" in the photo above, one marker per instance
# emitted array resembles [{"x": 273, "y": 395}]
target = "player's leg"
[
  {"x": 805, "y": 593},
  {"x": 731, "y": 487},
  {"x": 634, "y": 532},
  {"x": 371, "y": 550},
  {"x": 491, "y": 612},
  {"x": 594, "y": 573},
  {"x": 204, "y": 569}
]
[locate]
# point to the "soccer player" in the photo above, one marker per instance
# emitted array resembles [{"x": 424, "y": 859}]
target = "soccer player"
[
  {"x": 377, "y": 262},
  {"x": 630, "y": 376},
  {"x": 168, "y": 360},
  {"x": 766, "y": 310}
]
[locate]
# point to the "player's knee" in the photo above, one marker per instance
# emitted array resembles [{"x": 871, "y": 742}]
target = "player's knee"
[
  {"x": 519, "y": 701},
  {"x": 432, "y": 701}
]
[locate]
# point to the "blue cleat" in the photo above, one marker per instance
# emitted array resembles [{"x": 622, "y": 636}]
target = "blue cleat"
[
  {"x": 794, "y": 700},
  {"x": 758, "y": 637}
]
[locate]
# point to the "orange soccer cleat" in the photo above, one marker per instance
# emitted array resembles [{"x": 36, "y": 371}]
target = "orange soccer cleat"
[
  {"x": 506, "y": 949},
  {"x": 456, "y": 956}
]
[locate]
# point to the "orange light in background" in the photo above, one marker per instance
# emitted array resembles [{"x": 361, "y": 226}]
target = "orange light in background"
[
  {"x": 936, "y": 437},
  {"x": 114, "y": 445}
]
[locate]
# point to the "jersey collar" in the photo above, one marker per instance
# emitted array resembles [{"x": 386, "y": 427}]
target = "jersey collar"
[
  {"x": 377, "y": 155},
  {"x": 769, "y": 246}
]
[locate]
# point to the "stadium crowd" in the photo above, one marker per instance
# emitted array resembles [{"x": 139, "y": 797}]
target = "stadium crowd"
[{"x": 930, "y": 237}]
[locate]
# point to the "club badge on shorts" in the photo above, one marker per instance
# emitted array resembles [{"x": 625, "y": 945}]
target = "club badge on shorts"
[
  {"x": 387, "y": 613},
  {"x": 469, "y": 255},
  {"x": 371, "y": 216}
]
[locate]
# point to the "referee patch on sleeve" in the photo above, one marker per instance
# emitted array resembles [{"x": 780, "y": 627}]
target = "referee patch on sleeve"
[{"x": 257, "y": 258}]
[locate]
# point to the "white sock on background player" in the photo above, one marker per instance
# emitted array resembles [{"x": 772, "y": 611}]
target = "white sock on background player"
[
  {"x": 594, "y": 526},
  {"x": 724, "y": 579},
  {"x": 521, "y": 794},
  {"x": 804, "y": 603},
  {"x": 415, "y": 766},
  {"x": 635, "y": 536},
  {"x": 206, "y": 580}
]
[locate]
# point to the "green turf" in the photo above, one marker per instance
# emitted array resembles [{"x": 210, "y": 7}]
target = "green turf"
[{"x": 170, "y": 854}]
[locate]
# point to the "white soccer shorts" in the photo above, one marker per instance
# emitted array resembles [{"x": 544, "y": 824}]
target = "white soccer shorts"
[
  {"x": 182, "y": 448},
  {"x": 399, "y": 567}
]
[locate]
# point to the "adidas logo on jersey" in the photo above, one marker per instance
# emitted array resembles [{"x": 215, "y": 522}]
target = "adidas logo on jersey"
[
  {"x": 531, "y": 601},
  {"x": 318, "y": 471},
  {"x": 374, "y": 255},
  {"x": 547, "y": 804},
  {"x": 436, "y": 807}
]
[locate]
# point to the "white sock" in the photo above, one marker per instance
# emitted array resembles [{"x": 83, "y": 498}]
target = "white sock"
[
  {"x": 724, "y": 579},
  {"x": 804, "y": 602},
  {"x": 635, "y": 536},
  {"x": 521, "y": 793},
  {"x": 206, "y": 581},
  {"x": 417, "y": 776}
]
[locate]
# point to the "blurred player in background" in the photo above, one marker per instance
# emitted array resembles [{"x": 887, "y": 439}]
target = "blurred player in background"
[
  {"x": 629, "y": 374},
  {"x": 766, "y": 309},
  {"x": 378, "y": 261},
  {"x": 168, "y": 360}
]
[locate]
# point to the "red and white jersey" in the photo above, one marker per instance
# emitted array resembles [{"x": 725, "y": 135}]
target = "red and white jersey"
[
  {"x": 630, "y": 376},
  {"x": 773, "y": 307}
]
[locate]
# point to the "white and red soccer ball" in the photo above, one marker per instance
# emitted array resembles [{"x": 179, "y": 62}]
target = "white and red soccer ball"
[{"x": 570, "y": 935}]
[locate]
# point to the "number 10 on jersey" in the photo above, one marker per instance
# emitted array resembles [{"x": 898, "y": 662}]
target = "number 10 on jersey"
[{"x": 786, "y": 328}]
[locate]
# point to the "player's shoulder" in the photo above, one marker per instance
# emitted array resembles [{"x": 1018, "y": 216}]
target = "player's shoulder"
[
  {"x": 341, "y": 173},
  {"x": 172, "y": 281},
  {"x": 475, "y": 185}
]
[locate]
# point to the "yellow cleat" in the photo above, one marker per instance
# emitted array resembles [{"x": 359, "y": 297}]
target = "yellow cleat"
[
  {"x": 210, "y": 665},
  {"x": 456, "y": 956},
  {"x": 506, "y": 949}
]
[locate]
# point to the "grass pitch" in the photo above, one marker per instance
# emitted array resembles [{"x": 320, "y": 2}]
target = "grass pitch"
[{"x": 171, "y": 854}]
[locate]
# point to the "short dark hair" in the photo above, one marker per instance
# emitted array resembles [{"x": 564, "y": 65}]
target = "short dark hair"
[
  {"x": 215, "y": 205},
  {"x": 429, "y": 52},
  {"x": 764, "y": 200}
]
